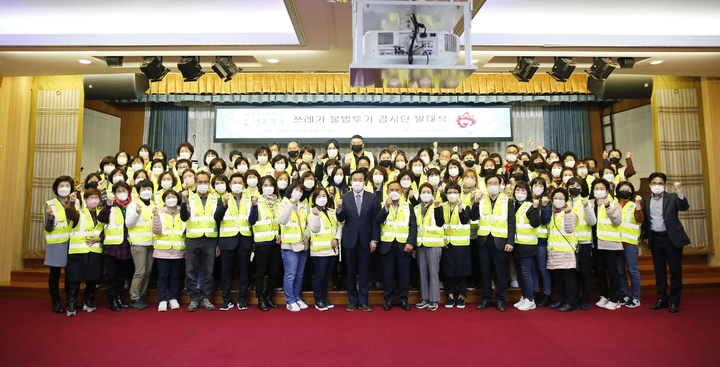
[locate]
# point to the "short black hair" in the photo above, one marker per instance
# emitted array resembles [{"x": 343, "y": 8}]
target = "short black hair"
[
  {"x": 625, "y": 183},
  {"x": 359, "y": 172},
  {"x": 60, "y": 179},
  {"x": 186, "y": 145},
  {"x": 356, "y": 136},
  {"x": 562, "y": 191},
  {"x": 658, "y": 174},
  {"x": 500, "y": 178},
  {"x": 169, "y": 192},
  {"x": 144, "y": 184}
]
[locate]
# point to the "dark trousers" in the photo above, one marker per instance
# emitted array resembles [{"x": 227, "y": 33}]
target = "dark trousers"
[
  {"x": 493, "y": 259},
  {"x": 609, "y": 263},
  {"x": 267, "y": 262},
  {"x": 664, "y": 256},
  {"x": 322, "y": 268},
  {"x": 117, "y": 271},
  {"x": 54, "y": 283},
  {"x": 455, "y": 286},
  {"x": 73, "y": 288},
  {"x": 168, "y": 277},
  {"x": 474, "y": 278},
  {"x": 584, "y": 277},
  {"x": 228, "y": 258},
  {"x": 376, "y": 268},
  {"x": 396, "y": 259},
  {"x": 567, "y": 286},
  {"x": 199, "y": 252},
  {"x": 358, "y": 264},
  {"x": 524, "y": 268}
]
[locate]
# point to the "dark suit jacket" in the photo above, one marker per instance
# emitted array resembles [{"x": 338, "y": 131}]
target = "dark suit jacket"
[
  {"x": 363, "y": 227},
  {"x": 671, "y": 206},
  {"x": 412, "y": 224}
]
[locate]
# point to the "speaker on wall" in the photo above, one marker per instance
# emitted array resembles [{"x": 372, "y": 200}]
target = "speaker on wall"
[
  {"x": 115, "y": 86},
  {"x": 622, "y": 86}
]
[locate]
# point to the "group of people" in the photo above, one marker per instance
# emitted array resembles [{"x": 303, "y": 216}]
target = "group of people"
[{"x": 452, "y": 220}]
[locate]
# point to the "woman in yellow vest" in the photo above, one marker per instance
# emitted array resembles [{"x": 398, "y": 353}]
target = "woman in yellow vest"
[
  {"x": 242, "y": 165},
  {"x": 453, "y": 173},
  {"x": 378, "y": 183},
  {"x": 385, "y": 161},
  {"x": 117, "y": 175},
  {"x": 434, "y": 179},
  {"x": 166, "y": 181},
  {"x": 252, "y": 178},
  {"x": 144, "y": 153},
  {"x": 57, "y": 234},
  {"x": 263, "y": 219},
  {"x": 632, "y": 218},
  {"x": 455, "y": 258},
  {"x": 584, "y": 209},
  {"x": 562, "y": 248},
  {"x": 263, "y": 166},
  {"x": 337, "y": 185},
  {"x": 168, "y": 249},
  {"x": 117, "y": 258},
  {"x": 527, "y": 220},
  {"x": 302, "y": 168},
  {"x": 470, "y": 188},
  {"x": 409, "y": 189},
  {"x": 556, "y": 169},
  {"x": 307, "y": 183},
  {"x": 608, "y": 242},
  {"x": 400, "y": 163},
  {"x": 136, "y": 164},
  {"x": 294, "y": 244},
  {"x": 84, "y": 253},
  {"x": 283, "y": 181},
  {"x": 325, "y": 236},
  {"x": 138, "y": 220},
  {"x": 418, "y": 169},
  {"x": 538, "y": 189},
  {"x": 430, "y": 243},
  {"x": 122, "y": 158}
]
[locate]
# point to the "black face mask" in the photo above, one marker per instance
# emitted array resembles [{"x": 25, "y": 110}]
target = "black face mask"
[
  {"x": 614, "y": 160},
  {"x": 625, "y": 195},
  {"x": 385, "y": 163},
  {"x": 591, "y": 169},
  {"x": 356, "y": 148},
  {"x": 91, "y": 185},
  {"x": 488, "y": 171},
  {"x": 574, "y": 191},
  {"x": 293, "y": 153},
  {"x": 470, "y": 164},
  {"x": 217, "y": 171},
  {"x": 519, "y": 177}
]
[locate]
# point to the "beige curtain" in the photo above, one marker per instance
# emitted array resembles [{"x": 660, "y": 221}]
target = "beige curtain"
[
  {"x": 56, "y": 135},
  {"x": 681, "y": 159}
]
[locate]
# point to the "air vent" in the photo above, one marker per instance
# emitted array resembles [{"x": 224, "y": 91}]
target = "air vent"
[
  {"x": 385, "y": 38},
  {"x": 451, "y": 43}
]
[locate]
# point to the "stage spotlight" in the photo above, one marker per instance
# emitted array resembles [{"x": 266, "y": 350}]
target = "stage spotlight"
[
  {"x": 153, "y": 68},
  {"x": 114, "y": 61},
  {"x": 190, "y": 68},
  {"x": 601, "y": 68},
  {"x": 225, "y": 67},
  {"x": 626, "y": 62},
  {"x": 562, "y": 69},
  {"x": 525, "y": 69}
]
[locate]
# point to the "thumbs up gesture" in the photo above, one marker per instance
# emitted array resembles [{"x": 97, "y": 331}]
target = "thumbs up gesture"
[
  {"x": 184, "y": 195},
  {"x": 49, "y": 212},
  {"x": 73, "y": 198},
  {"x": 585, "y": 202},
  {"x": 544, "y": 201},
  {"x": 339, "y": 204},
  {"x": 255, "y": 201},
  {"x": 348, "y": 161},
  {"x": 478, "y": 197},
  {"x": 536, "y": 203},
  {"x": 101, "y": 185},
  {"x": 110, "y": 199},
  {"x": 388, "y": 202},
  {"x": 138, "y": 208},
  {"x": 225, "y": 198}
]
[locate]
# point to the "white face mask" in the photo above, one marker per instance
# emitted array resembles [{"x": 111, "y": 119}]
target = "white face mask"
[
  {"x": 426, "y": 197},
  {"x": 502, "y": 187},
  {"x": 332, "y": 153},
  {"x": 338, "y": 179},
  {"x": 511, "y": 158},
  {"x": 469, "y": 182},
  {"x": 157, "y": 171},
  {"x": 242, "y": 168},
  {"x": 570, "y": 164},
  {"x": 273, "y": 153},
  {"x": 108, "y": 169},
  {"x": 262, "y": 159},
  {"x": 600, "y": 194},
  {"x": 203, "y": 188},
  {"x": 556, "y": 172},
  {"x": 434, "y": 180},
  {"x": 307, "y": 158},
  {"x": 164, "y": 184},
  {"x": 520, "y": 196},
  {"x": 144, "y": 154},
  {"x": 609, "y": 177},
  {"x": 425, "y": 160},
  {"x": 559, "y": 204},
  {"x": 282, "y": 184},
  {"x": 378, "y": 179},
  {"x": 301, "y": 173},
  {"x": 537, "y": 191},
  {"x": 268, "y": 190},
  {"x": 443, "y": 162},
  {"x": 566, "y": 179},
  {"x": 657, "y": 190},
  {"x": 220, "y": 188},
  {"x": 184, "y": 155},
  {"x": 417, "y": 170},
  {"x": 122, "y": 161},
  {"x": 582, "y": 172},
  {"x": 171, "y": 202},
  {"x": 309, "y": 184},
  {"x": 137, "y": 167},
  {"x": 405, "y": 184},
  {"x": 544, "y": 155},
  {"x": 453, "y": 172},
  {"x": 321, "y": 201},
  {"x": 493, "y": 190},
  {"x": 145, "y": 194},
  {"x": 297, "y": 195},
  {"x": 138, "y": 180},
  {"x": 117, "y": 179},
  {"x": 252, "y": 181},
  {"x": 122, "y": 196},
  {"x": 209, "y": 159},
  {"x": 63, "y": 191},
  {"x": 394, "y": 195},
  {"x": 236, "y": 188},
  {"x": 400, "y": 165},
  {"x": 279, "y": 167},
  {"x": 189, "y": 181},
  {"x": 453, "y": 198},
  {"x": 357, "y": 186}
]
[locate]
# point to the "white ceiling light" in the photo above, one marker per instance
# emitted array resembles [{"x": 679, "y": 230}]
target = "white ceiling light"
[
  {"x": 273, "y": 61},
  {"x": 84, "y": 62},
  {"x": 656, "y": 62}
]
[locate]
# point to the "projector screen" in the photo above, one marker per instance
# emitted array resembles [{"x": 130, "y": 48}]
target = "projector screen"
[{"x": 456, "y": 123}]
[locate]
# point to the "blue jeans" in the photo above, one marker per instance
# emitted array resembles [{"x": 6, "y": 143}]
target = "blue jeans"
[
  {"x": 168, "y": 275},
  {"x": 541, "y": 269},
  {"x": 629, "y": 259},
  {"x": 294, "y": 263},
  {"x": 525, "y": 275}
]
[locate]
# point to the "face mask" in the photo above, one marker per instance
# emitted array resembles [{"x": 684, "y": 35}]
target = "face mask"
[
  {"x": 405, "y": 184},
  {"x": 591, "y": 169},
  {"x": 122, "y": 196},
  {"x": 511, "y": 158},
  {"x": 273, "y": 153},
  {"x": 600, "y": 194},
  {"x": 519, "y": 177},
  {"x": 338, "y": 179},
  {"x": 392, "y": 157},
  {"x": 209, "y": 159},
  {"x": 94, "y": 184},
  {"x": 394, "y": 195},
  {"x": 614, "y": 160},
  {"x": 108, "y": 169},
  {"x": 332, "y": 153},
  {"x": 307, "y": 158},
  {"x": 262, "y": 159},
  {"x": 236, "y": 188},
  {"x": 609, "y": 177},
  {"x": 502, "y": 187},
  {"x": 309, "y": 184},
  {"x": 171, "y": 202},
  {"x": 220, "y": 188},
  {"x": 426, "y": 197},
  {"x": 488, "y": 171},
  {"x": 268, "y": 190},
  {"x": 145, "y": 194},
  {"x": 434, "y": 180},
  {"x": 357, "y": 186},
  {"x": 657, "y": 190},
  {"x": 122, "y": 161},
  {"x": 556, "y": 172},
  {"x": 252, "y": 181},
  {"x": 493, "y": 190},
  {"x": 378, "y": 178},
  {"x": 520, "y": 196},
  {"x": 553, "y": 160},
  {"x": 453, "y": 198},
  {"x": 301, "y": 173},
  {"x": 157, "y": 171},
  {"x": 292, "y": 153},
  {"x": 559, "y": 204},
  {"x": 417, "y": 170},
  {"x": 93, "y": 203},
  {"x": 566, "y": 179},
  {"x": 625, "y": 195},
  {"x": 443, "y": 162},
  {"x": 117, "y": 179},
  {"x": 538, "y": 191},
  {"x": 400, "y": 165},
  {"x": 297, "y": 195},
  {"x": 574, "y": 191},
  {"x": 544, "y": 155},
  {"x": 385, "y": 163},
  {"x": 217, "y": 171},
  {"x": 570, "y": 164},
  {"x": 582, "y": 172},
  {"x": 165, "y": 184},
  {"x": 242, "y": 168},
  {"x": 137, "y": 167},
  {"x": 144, "y": 154},
  {"x": 279, "y": 167},
  {"x": 453, "y": 172},
  {"x": 189, "y": 181},
  {"x": 184, "y": 155},
  {"x": 357, "y": 148},
  {"x": 203, "y": 188},
  {"x": 470, "y": 163},
  {"x": 282, "y": 184},
  {"x": 321, "y": 201},
  {"x": 469, "y": 182},
  {"x": 425, "y": 160}
]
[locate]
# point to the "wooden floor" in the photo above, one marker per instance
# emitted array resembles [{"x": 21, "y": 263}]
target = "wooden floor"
[{"x": 698, "y": 278}]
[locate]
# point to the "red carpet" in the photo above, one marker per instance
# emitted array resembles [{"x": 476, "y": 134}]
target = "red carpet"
[{"x": 33, "y": 336}]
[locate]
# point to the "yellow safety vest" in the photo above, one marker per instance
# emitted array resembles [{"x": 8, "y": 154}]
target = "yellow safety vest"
[
  {"x": 115, "y": 228},
  {"x": 397, "y": 223},
  {"x": 456, "y": 233},
  {"x": 61, "y": 232},
  {"x": 202, "y": 222},
  {"x": 142, "y": 231},
  {"x": 173, "y": 233},
  {"x": 266, "y": 227},
  {"x": 84, "y": 229},
  {"x": 606, "y": 231},
  {"x": 560, "y": 240},
  {"x": 353, "y": 164},
  {"x": 494, "y": 220},
  {"x": 292, "y": 232},
  {"x": 583, "y": 231},
  {"x": 525, "y": 234},
  {"x": 620, "y": 176},
  {"x": 321, "y": 242},
  {"x": 429, "y": 234},
  {"x": 629, "y": 227},
  {"x": 542, "y": 231},
  {"x": 468, "y": 199},
  {"x": 236, "y": 218}
]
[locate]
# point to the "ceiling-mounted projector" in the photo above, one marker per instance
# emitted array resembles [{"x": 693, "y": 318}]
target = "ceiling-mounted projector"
[{"x": 393, "y": 47}]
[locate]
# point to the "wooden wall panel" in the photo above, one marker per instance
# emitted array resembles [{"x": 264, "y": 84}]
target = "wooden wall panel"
[
  {"x": 596, "y": 138},
  {"x": 102, "y": 106},
  {"x": 132, "y": 123}
]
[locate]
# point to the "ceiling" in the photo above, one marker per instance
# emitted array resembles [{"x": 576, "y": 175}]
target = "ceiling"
[{"x": 48, "y": 37}]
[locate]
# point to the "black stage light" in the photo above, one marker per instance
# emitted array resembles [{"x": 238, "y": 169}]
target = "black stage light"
[
  {"x": 601, "y": 68},
  {"x": 225, "y": 67},
  {"x": 562, "y": 69},
  {"x": 626, "y": 62},
  {"x": 153, "y": 68},
  {"x": 190, "y": 68},
  {"x": 525, "y": 68},
  {"x": 114, "y": 61}
]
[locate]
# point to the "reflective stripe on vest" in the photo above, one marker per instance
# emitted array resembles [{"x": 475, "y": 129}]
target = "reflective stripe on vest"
[
  {"x": 230, "y": 224},
  {"x": 607, "y": 231},
  {"x": 559, "y": 240},
  {"x": 494, "y": 219},
  {"x": 266, "y": 227},
  {"x": 293, "y": 231},
  {"x": 629, "y": 227},
  {"x": 142, "y": 231},
  {"x": 353, "y": 160},
  {"x": 321, "y": 242},
  {"x": 173, "y": 233},
  {"x": 456, "y": 233},
  {"x": 542, "y": 231},
  {"x": 525, "y": 234},
  {"x": 61, "y": 232},
  {"x": 85, "y": 229},
  {"x": 115, "y": 228},
  {"x": 583, "y": 231},
  {"x": 429, "y": 234},
  {"x": 468, "y": 199},
  {"x": 201, "y": 220},
  {"x": 397, "y": 224}
]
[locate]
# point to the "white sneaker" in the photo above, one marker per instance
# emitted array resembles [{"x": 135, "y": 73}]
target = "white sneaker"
[
  {"x": 302, "y": 305},
  {"x": 174, "y": 305},
  {"x": 611, "y": 306},
  {"x": 162, "y": 306},
  {"x": 602, "y": 302},
  {"x": 514, "y": 284},
  {"x": 520, "y": 302},
  {"x": 293, "y": 307},
  {"x": 528, "y": 305}
]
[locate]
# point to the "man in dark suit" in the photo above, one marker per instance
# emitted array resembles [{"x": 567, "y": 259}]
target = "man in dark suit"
[
  {"x": 357, "y": 209},
  {"x": 666, "y": 238}
]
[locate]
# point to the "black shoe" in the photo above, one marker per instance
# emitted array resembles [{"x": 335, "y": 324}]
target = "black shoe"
[
  {"x": 584, "y": 305},
  {"x": 566, "y": 308},
  {"x": 449, "y": 303},
  {"x": 89, "y": 306},
  {"x": 365, "y": 307},
  {"x": 114, "y": 306},
  {"x": 329, "y": 304},
  {"x": 57, "y": 307},
  {"x": 121, "y": 304},
  {"x": 262, "y": 306},
  {"x": 544, "y": 301},
  {"x": 460, "y": 303},
  {"x": 71, "y": 309},
  {"x": 674, "y": 308},
  {"x": 405, "y": 306},
  {"x": 242, "y": 305},
  {"x": 659, "y": 304},
  {"x": 555, "y": 305},
  {"x": 483, "y": 305},
  {"x": 136, "y": 305},
  {"x": 351, "y": 307},
  {"x": 321, "y": 306},
  {"x": 270, "y": 303},
  {"x": 143, "y": 302},
  {"x": 388, "y": 306},
  {"x": 501, "y": 306}
]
